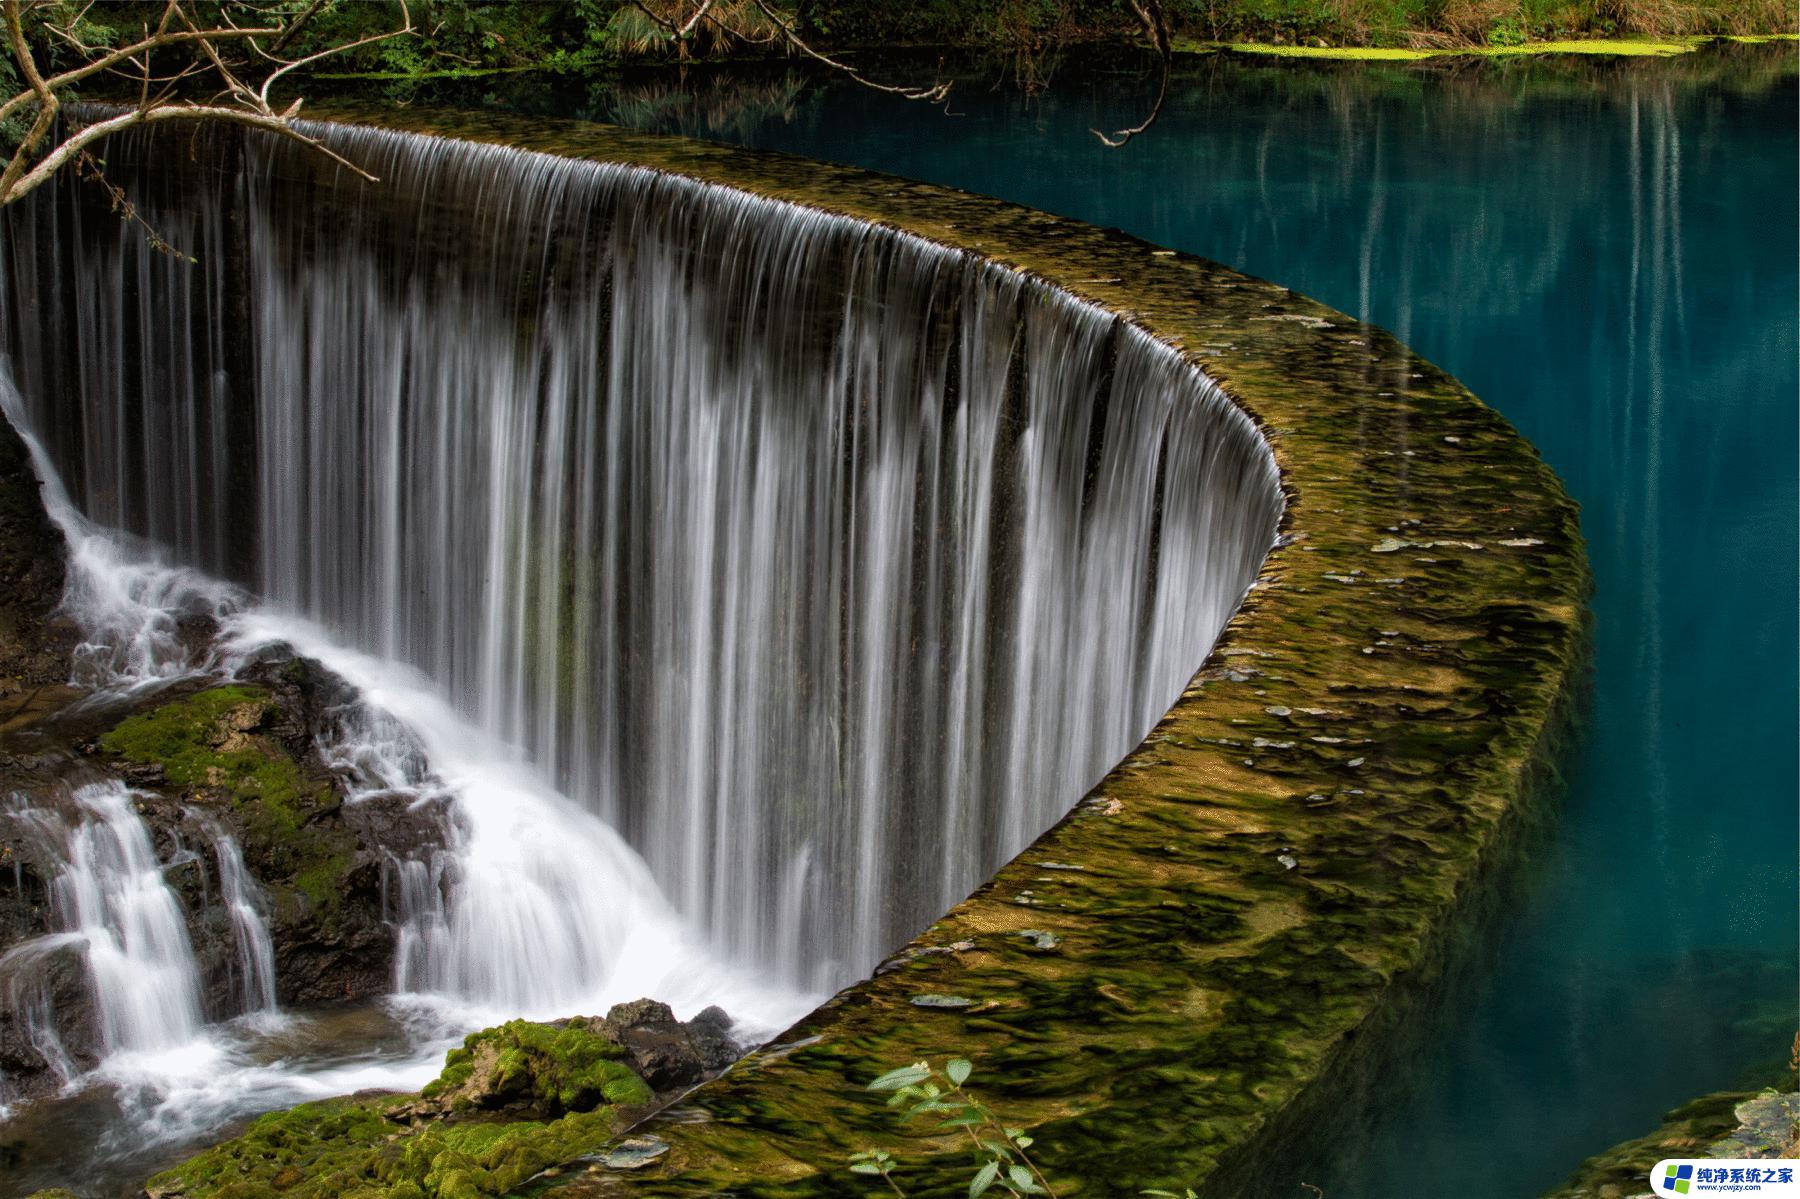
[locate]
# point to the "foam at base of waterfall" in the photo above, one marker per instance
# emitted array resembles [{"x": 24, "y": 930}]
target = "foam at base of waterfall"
[
  {"x": 550, "y": 912},
  {"x": 545, "y": 912}
]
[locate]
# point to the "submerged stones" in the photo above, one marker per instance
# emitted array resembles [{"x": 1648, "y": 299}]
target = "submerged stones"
[
  {"x": 942, "y": 1001},
  {"x": 634, "y": 1153}
]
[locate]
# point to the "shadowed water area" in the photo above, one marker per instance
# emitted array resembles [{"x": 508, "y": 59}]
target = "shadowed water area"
[{"x": 1604, "y": 251}]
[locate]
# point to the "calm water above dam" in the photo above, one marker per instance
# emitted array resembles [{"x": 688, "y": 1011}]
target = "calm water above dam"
[{"x": 1606, "y": 253}]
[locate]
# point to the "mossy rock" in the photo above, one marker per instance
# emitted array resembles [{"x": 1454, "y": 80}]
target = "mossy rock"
[
  {"x": 553, "y": 1068},
  {"x": 562, "y": 1083},
  {"x": 212, "y": 743},
  {"x": 1692, "y": 1130}
]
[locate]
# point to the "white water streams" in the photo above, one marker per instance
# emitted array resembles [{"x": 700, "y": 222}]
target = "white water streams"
[
  {"x": 249, "y": 930},
  {"x": 537, "y": 909},
  {"x": 113, "y": 896},
  {"x": 825, "y": 565}
]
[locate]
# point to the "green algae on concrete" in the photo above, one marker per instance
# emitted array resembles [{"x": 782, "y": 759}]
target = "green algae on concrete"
[
  {"x": 511, "y": 1102},
  {"x": 1173, "y": 986}
]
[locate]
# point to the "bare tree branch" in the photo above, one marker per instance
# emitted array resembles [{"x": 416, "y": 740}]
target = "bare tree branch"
[
  {"x": 75, "y": 143},
  {"x": 295, "y": 25},
  {"x": 1150, "y": 15},
  {"x": 237, "y": 102},
  {"x": 48, "y": 104},
  {"x": 405, "y": 27},
  {"x": 934, "y": 93},
  {"x": 156, "y": 41},
  {"x": 684, "y": 28}
]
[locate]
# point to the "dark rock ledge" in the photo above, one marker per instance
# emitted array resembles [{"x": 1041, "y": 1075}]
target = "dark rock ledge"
[{"x": 238, "y": 759}]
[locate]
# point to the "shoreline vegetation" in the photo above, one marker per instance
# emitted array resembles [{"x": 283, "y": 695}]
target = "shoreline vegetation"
[
  {"x": 472, "y": 38},
  {"x": 1185, "y": 51},
  {"x": 1630, "y": 47},
  {"x": 1640, "y": 47}
]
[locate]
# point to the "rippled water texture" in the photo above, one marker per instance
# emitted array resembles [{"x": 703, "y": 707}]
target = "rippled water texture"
[{"x": 1606, "y": 253}]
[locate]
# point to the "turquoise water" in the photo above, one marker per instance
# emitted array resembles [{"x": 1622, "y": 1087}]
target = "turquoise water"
[{"x": 1607, "y": 254}]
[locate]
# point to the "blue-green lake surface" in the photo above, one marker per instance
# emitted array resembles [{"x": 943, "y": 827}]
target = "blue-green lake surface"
[{"x": 1606, "y": 252}]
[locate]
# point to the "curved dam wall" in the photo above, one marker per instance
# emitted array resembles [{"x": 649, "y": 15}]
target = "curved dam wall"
[{"x": 828, "y": 564}]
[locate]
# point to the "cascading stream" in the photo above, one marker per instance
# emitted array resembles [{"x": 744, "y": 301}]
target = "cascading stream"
[
  {"x": 581, "y": 923},
  {"x": 249, "y": 930},
  {"x": 138, "y": 953},
  {"x": 827, "y": 565}
]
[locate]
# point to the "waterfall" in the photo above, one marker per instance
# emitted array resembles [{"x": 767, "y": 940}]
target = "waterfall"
[
  {"x": 110, "y": 899},
  {"x": 536, "y": 908},
  {"x": 145, "y": 979},
  {"x": 826, "y": 565},
  {"x": 249, "y": 931}
]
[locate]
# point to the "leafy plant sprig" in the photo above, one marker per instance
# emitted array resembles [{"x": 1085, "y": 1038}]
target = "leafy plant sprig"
[{"x": 922, "y": 1090}]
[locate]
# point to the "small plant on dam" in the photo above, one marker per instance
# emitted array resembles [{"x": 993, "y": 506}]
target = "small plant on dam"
[{"x": 924, "y": 1090}]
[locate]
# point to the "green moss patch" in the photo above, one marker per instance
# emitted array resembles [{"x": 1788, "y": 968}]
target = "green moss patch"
[
  {"x": 552, "y": 1068},
  {"x": 566, "y": 1081},
  {"x": 209, "y": 742}
]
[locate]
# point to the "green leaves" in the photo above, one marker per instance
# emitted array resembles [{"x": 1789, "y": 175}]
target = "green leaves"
[
  {"x": 922, "y": 1089},
  {"x": 905, "y": 1076},
  {"x": 872, "y": 1161},
  {"x": 1023, "y": 1181}
]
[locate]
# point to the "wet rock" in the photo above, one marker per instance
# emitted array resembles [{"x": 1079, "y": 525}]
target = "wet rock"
[
  {"x": 34, "y": 643},
  {"x": 47, "y": 1024},
  {"x": 513, "y": 1103},
  {"x": 238, "y": 761},
  {"x": 711, "y": 1034},
  {"x": 544, "y": 1069},
  {"x": 668, "y": 1054},
  {"x": 634, "y": 1153},
  {"x": 242, "y": 760}
]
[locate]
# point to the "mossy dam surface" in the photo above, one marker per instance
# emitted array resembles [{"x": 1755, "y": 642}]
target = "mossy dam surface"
[{"x": 785, "y": 580}]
